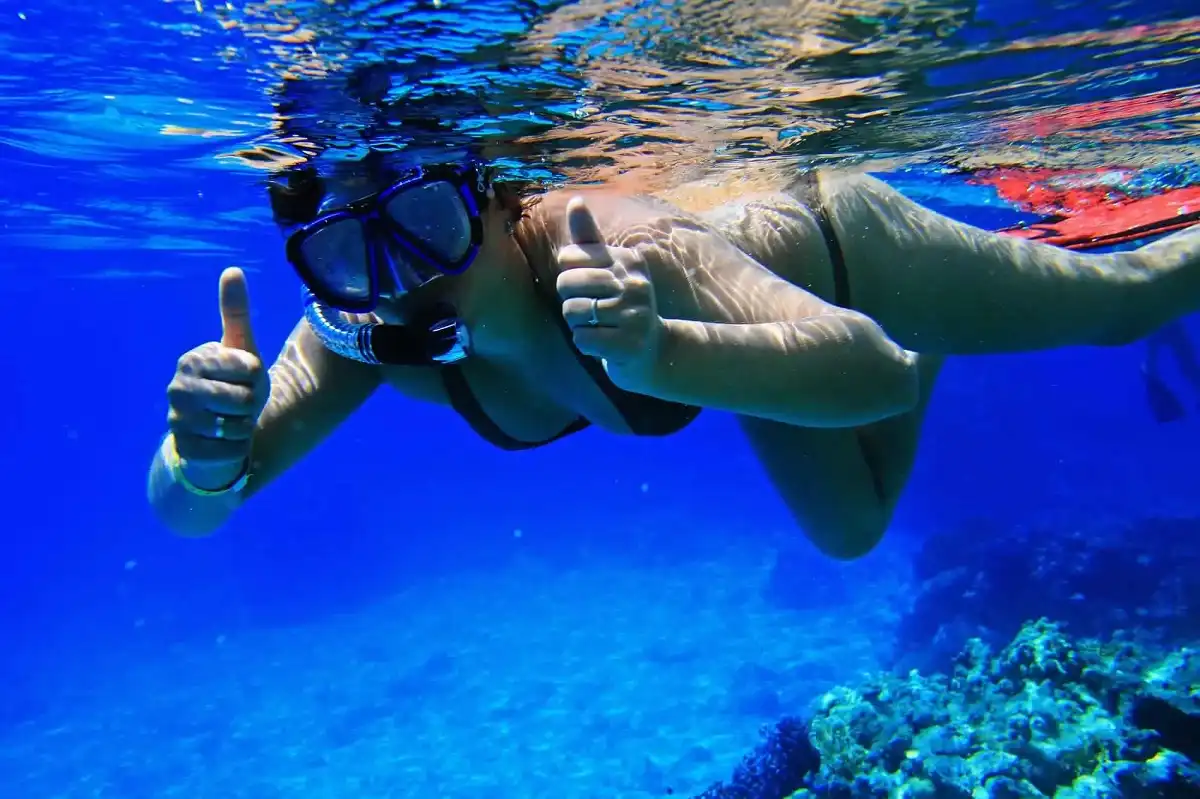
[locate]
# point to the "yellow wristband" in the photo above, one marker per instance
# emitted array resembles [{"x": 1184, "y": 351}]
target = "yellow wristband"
[{"x": 175, "y": 464}]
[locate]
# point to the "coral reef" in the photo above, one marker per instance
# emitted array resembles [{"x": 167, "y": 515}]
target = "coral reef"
[
  {"x": 774, "y": 770},
  {"x": 1048, "y": 716},
  {"x": 981, "y": 583}
]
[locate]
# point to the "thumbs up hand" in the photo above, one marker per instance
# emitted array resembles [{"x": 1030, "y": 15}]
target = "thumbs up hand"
[
  {"x": 608, "y": 302},
  {"x": 217, "y": 394}
]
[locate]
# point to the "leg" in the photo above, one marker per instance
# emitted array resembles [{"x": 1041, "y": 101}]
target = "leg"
[
  {"x": 842, "y": 485},
  {"x": 936, "y": 285},
  {"x": 1171, "y": 340},
  {"x": 1175, "y": 337}
]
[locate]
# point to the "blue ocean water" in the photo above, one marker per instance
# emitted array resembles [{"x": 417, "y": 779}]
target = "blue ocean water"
[{"x": 408, "y": 612}]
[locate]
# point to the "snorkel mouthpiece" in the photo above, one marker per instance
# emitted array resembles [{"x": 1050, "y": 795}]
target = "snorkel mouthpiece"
[{"x": 444, "y": 340}]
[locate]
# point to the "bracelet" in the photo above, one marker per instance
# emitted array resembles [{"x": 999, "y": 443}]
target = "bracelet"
[{"x": 175, "y": 464}]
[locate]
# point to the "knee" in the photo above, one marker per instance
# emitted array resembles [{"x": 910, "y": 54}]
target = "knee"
[
  {"x": 1142, "y": 305},
  {"x": 850, "y": 541},
  {"x": 1127, "y": 329}
]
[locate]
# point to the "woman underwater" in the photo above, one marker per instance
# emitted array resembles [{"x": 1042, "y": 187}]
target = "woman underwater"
[{"x": 818, "y": 312}]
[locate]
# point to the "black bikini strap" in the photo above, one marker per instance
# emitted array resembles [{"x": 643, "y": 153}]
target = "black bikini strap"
[
  {"x": 645, "y": 416},
  {"x": 807, "y": 188},
  {"x": 464, "y": 401}
]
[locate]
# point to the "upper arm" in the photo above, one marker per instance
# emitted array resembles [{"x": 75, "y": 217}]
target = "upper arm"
[
  {"x": 729, "y": 290},
  {"x": 312, "y": 391}
]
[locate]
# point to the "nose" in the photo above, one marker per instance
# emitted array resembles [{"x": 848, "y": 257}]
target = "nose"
[
  {"x": 389, "y": 287},
  {"x": 396, "y": 276},
  {"x": 391, "y": 293}
]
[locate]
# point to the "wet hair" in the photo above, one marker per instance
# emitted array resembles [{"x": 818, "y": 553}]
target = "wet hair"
[
  {"x": 517, "y": 197},
  {"x": 302, "y": 107},
  {"x": 296, "y": 195}
]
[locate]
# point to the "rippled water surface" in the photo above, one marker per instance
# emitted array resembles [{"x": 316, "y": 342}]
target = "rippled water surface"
[{"x": 153, "y": 96}]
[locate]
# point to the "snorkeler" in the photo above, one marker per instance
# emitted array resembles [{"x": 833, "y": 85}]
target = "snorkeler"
[{"x": 818, "y": 313}]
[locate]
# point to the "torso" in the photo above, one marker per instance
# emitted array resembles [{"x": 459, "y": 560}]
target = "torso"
[{"x": 533, "y": 386}]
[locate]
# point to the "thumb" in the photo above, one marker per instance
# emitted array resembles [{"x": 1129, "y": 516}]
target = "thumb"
[
  {"x": 235, "y": 311},
  {"x": 582, "y": 224}
]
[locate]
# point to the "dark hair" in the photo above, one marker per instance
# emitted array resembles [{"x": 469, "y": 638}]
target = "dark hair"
[
  {"x": 517, "y": 197},
  {"x": 296, "y": 195},
  {"x": 303, "y": 108}
]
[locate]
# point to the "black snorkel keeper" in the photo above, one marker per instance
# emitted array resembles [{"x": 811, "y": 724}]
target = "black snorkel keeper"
[{"x": 442, "y": 338}]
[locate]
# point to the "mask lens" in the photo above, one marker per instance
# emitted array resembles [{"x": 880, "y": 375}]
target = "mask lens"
[
  {"x": 336, "y": 257},
  {"x": 435, "y": 215}
]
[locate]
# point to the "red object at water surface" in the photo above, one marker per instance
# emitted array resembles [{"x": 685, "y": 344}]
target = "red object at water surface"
[{"x": 1083, "y": 214}]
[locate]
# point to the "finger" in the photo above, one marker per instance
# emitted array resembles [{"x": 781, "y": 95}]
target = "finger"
[
  {"x": 197, "y": 394},
  {"x": 599, "y": 283},
  {"x": 206, "y": 424},
  {"x": 584, "y": 256},
  {"x": 581, "y": 224},
  {"x": 578, "y": 312},
  {"x": 638, "y": 292},
  {"x": 234, "y": 298},
  {"x": 628, "y": 264},
  {"x": 217, "y": 362}
]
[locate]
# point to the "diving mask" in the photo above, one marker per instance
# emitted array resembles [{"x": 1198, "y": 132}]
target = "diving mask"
[{"x": 424, "y": 225}]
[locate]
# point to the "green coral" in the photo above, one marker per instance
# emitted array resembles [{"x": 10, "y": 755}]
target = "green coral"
[{"x": 1047, "y": 716}]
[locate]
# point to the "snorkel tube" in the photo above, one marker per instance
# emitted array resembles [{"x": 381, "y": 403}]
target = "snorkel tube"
[{"x": 443, "y": 341}]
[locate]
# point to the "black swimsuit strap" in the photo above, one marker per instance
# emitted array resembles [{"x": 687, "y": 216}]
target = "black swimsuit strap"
[
  {"x": 464, "y": 401},
  {"x": 645, "y": 415},
  {"x": 807, "y": 189}
]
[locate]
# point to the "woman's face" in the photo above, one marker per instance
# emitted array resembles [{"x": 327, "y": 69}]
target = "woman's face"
[{"x": 433, "y": 214}]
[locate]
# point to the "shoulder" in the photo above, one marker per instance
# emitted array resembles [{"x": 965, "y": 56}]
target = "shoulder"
[
  {"x": 690, "y": 204},
  {"x": 625, "y": 220},
  {"x": 616, "y": 212}
]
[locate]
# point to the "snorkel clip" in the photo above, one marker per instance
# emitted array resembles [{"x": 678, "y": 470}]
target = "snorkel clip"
[{"x": 446, "y": 340}]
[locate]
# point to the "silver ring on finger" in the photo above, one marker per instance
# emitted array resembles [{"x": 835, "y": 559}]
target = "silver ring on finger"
[
  {"x": 594, "y": 319},
  {"x": 221, "y": 420}
]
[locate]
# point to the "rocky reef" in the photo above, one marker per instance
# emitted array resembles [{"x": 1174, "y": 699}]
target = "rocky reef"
[
  {"x": 1100, "y": 697},
  {"x": 981, "y": 582},
  {"x": 1046, "y": 716},
  {"x": 776, "y": 768}
]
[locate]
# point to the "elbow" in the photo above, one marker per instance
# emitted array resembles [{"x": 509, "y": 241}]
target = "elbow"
[
  {"x": 183, "y": 514},
  {"x": 183, "y": 521},
  {"x": 888, "y": 377},
  {"x": 902, "y": 381}
]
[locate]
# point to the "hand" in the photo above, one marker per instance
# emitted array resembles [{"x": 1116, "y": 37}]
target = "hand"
[
  {"x": 218, "y": 392},
  {"x": 612, "y": 284}
]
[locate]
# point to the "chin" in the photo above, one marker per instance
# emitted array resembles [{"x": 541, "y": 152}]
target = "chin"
[{"x": 389, "y": 313}]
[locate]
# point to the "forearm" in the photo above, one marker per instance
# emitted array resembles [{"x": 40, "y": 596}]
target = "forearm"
[
  {"x": 181, "y": 510},
  {"x": 835, "y": 370}
]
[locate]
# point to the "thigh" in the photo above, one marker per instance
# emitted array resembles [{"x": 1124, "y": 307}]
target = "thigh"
[
  {"x": 842, "y": 485},
  {"x": 939, "y": 285}
]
